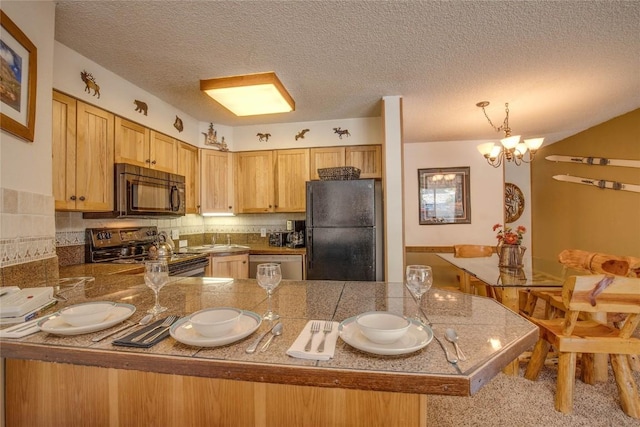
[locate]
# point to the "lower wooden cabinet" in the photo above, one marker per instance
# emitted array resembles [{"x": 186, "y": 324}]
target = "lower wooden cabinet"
[{"x": 233, "y": 266}]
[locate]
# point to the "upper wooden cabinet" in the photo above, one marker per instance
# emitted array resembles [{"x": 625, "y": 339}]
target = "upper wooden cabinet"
[
  {"x": 272, "y": 181},
  {"x": 254, "y": 181},
  {"x": 189, "y": 167},
  {"x": 82, "y": 156},
  {"x": 292, "y": 174},
  {"x": 216, "y": 181},
  {"x": 140, "y": 146},
  {"x": 367, "y": 158}
]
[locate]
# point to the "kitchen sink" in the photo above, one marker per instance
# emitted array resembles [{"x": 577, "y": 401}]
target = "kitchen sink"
[{"x": 211, "y": 248}]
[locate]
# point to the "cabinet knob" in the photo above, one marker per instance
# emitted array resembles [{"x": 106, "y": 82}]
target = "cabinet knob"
[
  {"x": 72, "y": 197},
  {"x": 148, "y": 161},
  {"x": 82, "y": 199},
  {"x": 153, "y": 163},
  {"x": 230, "y": 207}
]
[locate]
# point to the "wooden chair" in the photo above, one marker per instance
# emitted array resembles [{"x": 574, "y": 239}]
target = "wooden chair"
[
  {"x": 468, "y": 282},
  {"x": 593, "y": 294}
]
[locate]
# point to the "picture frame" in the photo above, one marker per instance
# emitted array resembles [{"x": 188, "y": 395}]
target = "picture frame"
[
  {"x": 18, "y": 84},
  {"x": 444, "y": 196}
]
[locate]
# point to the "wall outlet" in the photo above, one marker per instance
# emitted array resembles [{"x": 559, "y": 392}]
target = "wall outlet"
[
  {"x": 183, "y": 243},
  {"x": 263, "y": 232},
  {"x": 175, "y": 234}
]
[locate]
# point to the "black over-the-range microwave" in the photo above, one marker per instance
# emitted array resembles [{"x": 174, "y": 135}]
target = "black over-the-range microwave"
[{"x": 142, "y": 192}]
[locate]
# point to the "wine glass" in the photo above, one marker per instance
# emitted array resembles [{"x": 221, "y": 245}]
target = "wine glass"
[
  {"x": 419, "y": 281},
  {"x": 156, "y": 275},
  {"x": 269, "y": 276}
]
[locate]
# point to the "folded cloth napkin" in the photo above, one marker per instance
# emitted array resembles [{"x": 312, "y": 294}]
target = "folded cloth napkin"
[
  {"x": 22, "y": 329},
  {"x": 297, "y": 348},
  {"x": 127, "y": 340}
]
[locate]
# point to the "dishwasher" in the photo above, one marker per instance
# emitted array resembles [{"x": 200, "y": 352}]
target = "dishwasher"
[{"x": 290, "y": 265}]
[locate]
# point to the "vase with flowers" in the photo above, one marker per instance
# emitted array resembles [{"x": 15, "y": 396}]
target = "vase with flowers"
[{"x": 509, "y": 248}]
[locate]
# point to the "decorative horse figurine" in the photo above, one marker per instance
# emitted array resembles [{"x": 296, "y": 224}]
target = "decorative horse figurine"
[
  {"x": 341, "y": 132},
  {"x": 90, "y": 83},
  {"x": 263, "y": 136}
]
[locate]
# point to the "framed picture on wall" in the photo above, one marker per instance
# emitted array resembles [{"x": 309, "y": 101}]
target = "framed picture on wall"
[
  {"x": 18, "y": 60},
  {"x": 443, "y": 196}
]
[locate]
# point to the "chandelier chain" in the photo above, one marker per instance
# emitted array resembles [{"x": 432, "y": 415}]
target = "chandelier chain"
[{"x": 505, "y": 123}]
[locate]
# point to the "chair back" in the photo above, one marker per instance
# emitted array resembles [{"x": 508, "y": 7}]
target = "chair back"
[
  {"x": 602, "y": 293},
  {"x": 472, "y": 251}
]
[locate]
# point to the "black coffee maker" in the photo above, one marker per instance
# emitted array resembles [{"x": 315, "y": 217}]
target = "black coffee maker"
[{"x": 295, "y": 233}]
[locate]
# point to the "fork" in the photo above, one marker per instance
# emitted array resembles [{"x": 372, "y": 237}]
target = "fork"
[
  {"x": 315, "y": 328},
  {"x": 167, "y": 322},
  {"x": 327, "y": 330}
]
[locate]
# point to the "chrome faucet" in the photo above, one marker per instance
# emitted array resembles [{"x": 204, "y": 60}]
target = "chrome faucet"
[
  {"x": 213, "y": 239},
  {"x": 228, "y": 239}
]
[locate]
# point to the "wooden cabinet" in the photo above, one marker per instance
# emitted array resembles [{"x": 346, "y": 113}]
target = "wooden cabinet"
[
  {"x": 292, "y": 174},
  {"x": 367, "y": 158},
  {"x": 272, "y": 181},
  {"x": 254, "y": 181},
  {"x": 189, "y": 167},
  {"x": 233, "y": 266},
  {"x": 140, "y": 146},
  {"x": 216, "y": 182},
  {"x": 82, "y": 155}
]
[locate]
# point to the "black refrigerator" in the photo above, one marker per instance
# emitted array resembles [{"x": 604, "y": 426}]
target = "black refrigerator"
[{"x": 344, "y": 230}]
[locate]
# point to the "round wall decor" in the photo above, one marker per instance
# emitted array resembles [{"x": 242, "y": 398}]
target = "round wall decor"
[{"x": 513, "y": 202}]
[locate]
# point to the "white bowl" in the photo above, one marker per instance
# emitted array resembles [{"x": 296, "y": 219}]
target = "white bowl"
[
  {"x": 215, "y": 322},
  {"x": 87, "y": 313},
  {"x": 382, "y": 327}
]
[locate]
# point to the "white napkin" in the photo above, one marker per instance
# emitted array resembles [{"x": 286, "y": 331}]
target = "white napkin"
[
  {"x": 22, "y": 329},
  {"x": 297, "y": 348}
]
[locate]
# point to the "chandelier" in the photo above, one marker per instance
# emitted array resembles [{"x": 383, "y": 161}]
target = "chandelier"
[{"x": 511, "y": 150}]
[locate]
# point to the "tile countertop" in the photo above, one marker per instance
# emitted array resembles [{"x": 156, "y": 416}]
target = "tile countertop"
[{"x": 490, "y": 335}]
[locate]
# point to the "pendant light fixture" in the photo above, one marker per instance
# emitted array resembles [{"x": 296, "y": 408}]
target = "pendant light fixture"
[
  {"x": 511, "y": 149},
  {"x": 250, "y": 94}
]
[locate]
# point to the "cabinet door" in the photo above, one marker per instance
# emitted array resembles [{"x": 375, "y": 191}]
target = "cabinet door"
[
  {"x": 254, "y": 178},
  {"x": 63, "y": 141},
  {"x": 132, "y": 143},
  {"x": 94, "y": 159},
  {"x": 188, "y": 166},
  {"x": 367, "y": 158},
  {"x": 163, "y": 151},
  {"x": 328, "y": 157},
  {"x": 292, "y": 174},
  {"x": 216, "y": 181},
  {"x": 233, "y": 266}
]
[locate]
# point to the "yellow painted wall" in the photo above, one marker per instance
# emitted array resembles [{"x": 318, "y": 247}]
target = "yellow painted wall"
[{"x": 575, "y": 216}]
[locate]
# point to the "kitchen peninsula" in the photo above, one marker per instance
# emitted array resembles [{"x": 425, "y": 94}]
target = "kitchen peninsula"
[{"x": 175, "y": 384}]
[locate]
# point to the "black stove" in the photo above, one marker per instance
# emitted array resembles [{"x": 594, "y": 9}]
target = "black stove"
[{"x": 131, "y": 245}]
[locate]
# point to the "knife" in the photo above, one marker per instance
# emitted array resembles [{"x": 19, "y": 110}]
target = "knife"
[{"x": 252, "y": 348}]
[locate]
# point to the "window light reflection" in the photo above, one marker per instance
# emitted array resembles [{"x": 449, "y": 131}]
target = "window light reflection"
[{"x": 495, "y": 343}]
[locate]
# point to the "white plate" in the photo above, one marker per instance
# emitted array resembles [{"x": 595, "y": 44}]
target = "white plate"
[
  {"x": 55, "y": 325},
  {"x": 184, "y": 332},
  {"x": 417, "y": 337}
]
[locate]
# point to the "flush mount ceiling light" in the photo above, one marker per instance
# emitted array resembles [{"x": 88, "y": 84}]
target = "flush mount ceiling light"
[
  {"x": 251, "y": 94},
  {"x": 511, "y": 149}
]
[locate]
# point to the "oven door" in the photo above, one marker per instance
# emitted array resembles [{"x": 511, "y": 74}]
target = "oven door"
[{"x": 149, "y": 196}]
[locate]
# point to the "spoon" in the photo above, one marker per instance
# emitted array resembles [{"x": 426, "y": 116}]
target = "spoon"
[
  {"x": 146, "y": 319},
  {"x": 452, "y": 336},
  {"x": 276, "y": 331}
]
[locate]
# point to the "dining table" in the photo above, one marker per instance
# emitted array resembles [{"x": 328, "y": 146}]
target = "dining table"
[
  {"x": 55, "y": 377},
  {"x": 513, "y": 285}
]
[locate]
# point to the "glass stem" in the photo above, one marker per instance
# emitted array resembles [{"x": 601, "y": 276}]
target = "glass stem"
[
  {"x": 157, "y": 293},
  {"x": 269, "y": 301}
]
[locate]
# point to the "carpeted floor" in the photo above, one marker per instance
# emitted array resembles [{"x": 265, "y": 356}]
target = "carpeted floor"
[{"x": 516, "y": 401}]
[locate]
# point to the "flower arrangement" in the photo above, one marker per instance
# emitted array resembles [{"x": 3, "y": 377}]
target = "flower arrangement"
[{"x": 507, "y": 236}]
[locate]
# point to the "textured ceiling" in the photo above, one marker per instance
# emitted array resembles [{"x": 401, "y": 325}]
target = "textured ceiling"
[{"x": 562, "y": 66}]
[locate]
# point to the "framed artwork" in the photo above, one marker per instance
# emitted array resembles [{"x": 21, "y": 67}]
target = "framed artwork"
[
  {"x": 444, "y": 196},
  {"x": 18, "y": 60}
]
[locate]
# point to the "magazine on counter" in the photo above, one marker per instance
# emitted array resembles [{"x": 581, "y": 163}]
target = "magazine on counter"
[{"x": 16, "y": 303}]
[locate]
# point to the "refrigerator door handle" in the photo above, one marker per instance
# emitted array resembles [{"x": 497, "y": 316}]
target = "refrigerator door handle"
[{"x": 309, "y": 248}]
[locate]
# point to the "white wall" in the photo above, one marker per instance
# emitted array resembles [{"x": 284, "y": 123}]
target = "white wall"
[
  {"x": 486, "y": 194},
  {"x": 27, "y": 225}
]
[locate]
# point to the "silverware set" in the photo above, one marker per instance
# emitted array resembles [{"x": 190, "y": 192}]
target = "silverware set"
[
  {"x": 315, "y": 328},
  {"x": 157, "y": 331}
]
